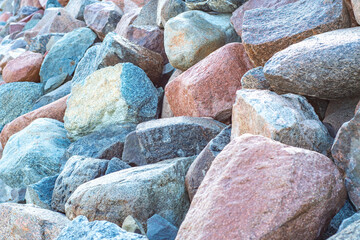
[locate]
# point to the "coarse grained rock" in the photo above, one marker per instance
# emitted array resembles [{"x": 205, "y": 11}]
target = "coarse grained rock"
[
  {"x": 352, "y": 232},
  {"x": 147, "y": 14},
  {"x": 274, "y": 191},
  {"x": 167, "y": 9},
  {"x": 24, "y": 68},
  {"x": 191, "y": 36},
  {"x": 168, "y": 138},
  {"x": 50, "y": 97},
  {"x": 40, "y": 193},
  {"x": 66, "y": 53},
  {"x": 356, "y": 9},
  {"x": 289, "y": 24},
  {"x": 255, "y": 79},
  {"x": 325, "y": 66},
  {"x": 55, "y": 110},
  {"x": 115, "y": 165},
  {"x": 202, "y": 162},
  {"x": 34, "y": 153},
  {"x": 348, "y": 221},
  {"x": 27, "y": 222},
  {"x": 207, "y": 89},
  {"x": 77, "y": 170},
  {"x": 345, "y": 152},
  {"x": 140, "y": 192},
  {"x": 17, "y": 99},
  {"x": 102, "y": 17},
  {"x": 127, "y": 96},
  {"x": 39, "y": 43},
  {"x": 287, "y": 118},
  {"x": 222, "y": 6},
  {"x": 116, "y": 49},
  {"x": 106, "y": 143},
  {"x": 76, "y": 8},
  {"x": 81, "y": 229}
]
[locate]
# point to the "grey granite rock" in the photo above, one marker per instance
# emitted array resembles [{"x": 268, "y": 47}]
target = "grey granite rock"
[
  {"x": 224, "y": 6},
  {"x": 255, "y": 79},
  {"x": 58, "y": 93},
  {"x": 115, "y": 165},
  {"x": 76, "y": 8},
  {"x": 38, "y": 44},
  {"x": 158, "y": 228},
  {"x": 40, "y": 193},
  {"x": 352, "y": 232}
]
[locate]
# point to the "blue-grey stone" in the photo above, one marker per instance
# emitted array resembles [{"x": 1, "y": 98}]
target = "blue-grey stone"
[
  {"x": 55, "y": 82},
  {"x": 40, "y": 193},
  {"x": 158, "y": 228},
  {"x": 77, "y": 170},
  {"x": 26, "y": 11},
  {"x": 66, "y": 53},
  {"x": 355, "y": 217},
  {"x": 255, "y": 79},
  {"x": 351, "y": 232},
  {"x": 33, "y": 21},
  {"x": 115, "y": 165},
  {"x": 81, "y": 229},
  {"x": 38, "y": 43},
  {"x": 105, "y": 143},
  {"x": 18, "y": 43},
  {"x": 53, "y": 4},
  {"x": 34, "y": 153},
  {"x": 58, "y": 93},
  {"x": 16, "y": 99},
  {"x": 76, "y": 8}
]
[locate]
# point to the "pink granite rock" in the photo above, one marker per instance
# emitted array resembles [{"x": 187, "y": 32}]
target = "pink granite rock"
[{"x": 5, "y": 16}]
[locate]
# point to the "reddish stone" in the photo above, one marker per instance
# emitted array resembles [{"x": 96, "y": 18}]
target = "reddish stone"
[
  {"x": 257, "y": 188},
  {"x": 16, "y": 27},
  {"x": 28, "y": 18},
  {"x": 54, "y": 110},
  {"x": 11, "y": 55},
  {"x": 24, "y": 68},
  {"x": 238, "y": 15},
  {"x": 63, "y": 2},
  {"x": 5, "y": 16},
  {"x": 2, "y": 82},
  {"x": 208, "y": 89},
  {"x": 34, "y": 3},
  {"x": 128, "y": 5},
  {"x": 126, "y": 20}
]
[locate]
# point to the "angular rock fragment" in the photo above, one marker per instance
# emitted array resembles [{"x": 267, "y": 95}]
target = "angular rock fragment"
[
  {"x": 40, "y": 193},
  {"x": 160, "y": 228}
]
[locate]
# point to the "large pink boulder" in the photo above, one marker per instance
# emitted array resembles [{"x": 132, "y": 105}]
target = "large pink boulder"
[
  {"x": 24, "y": 68},
  {"x": 54, "y": 110},
  {"x": 208, "y": 89},
  {"x": 257, "y": 188}
]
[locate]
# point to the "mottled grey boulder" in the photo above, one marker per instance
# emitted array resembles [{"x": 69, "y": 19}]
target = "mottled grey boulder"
[
  {"x": 355, "y": 217},
  {"x": 191, "y": 36},
  {"x": 147, "y": 16},
  {"x": 140, "y": 192},
  {"x": 325, "y": 66},
  {"x": 168, "y": 138},
  {"x": 9, "y": 194},
  {"x": 351, "y": 232},
  {"x": 127, "y": 96},
  {"x": 76, "y": 8},
  {"x": 40, "y": 193},
  {"x": 158, "y": 228},
  {"x": 54, "y": 82},
  {"x": 77, "y": 170},
  {"x": 116, "y": 49},
  {"x": 52, "y": 96},
  {"x": 115, "y": 165},
  {"x": 16, "y": 99},
  {"x": 105, "y": 143},
  {"x": 39, "y": 43},
  {"x": 288, "y": 118},
  {"x": 223, "y": 6},
  {"x": 255, "y": 79},
  {"x": 202, "y": 163},
  {"x": 66, "y": 53},
  {"x": 81, "y": 229},
  {"x": 167, "y": 9},
  {"x": 346, "y": 154},
  {"x": 34, "y": 153},
  {"x": 266, "y": 31},
  {"x": 26, "y": 11}
]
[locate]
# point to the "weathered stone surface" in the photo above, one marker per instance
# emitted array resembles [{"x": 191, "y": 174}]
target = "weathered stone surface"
[
  {"x": 255, "y": 79},
  {"x": 274, "y": 191},
  {"x": 58, "y": 93},
  {"x": 106, "y": 143},
  {"x": 331, "y": 73},
  {"x": 102, "y": 17},
  {"x": 34, "y": 153},
  {"x": 24, "y": 68},
  {"x": 193, "y": 35},
  {"x": 119, "y": 102},
  {"x": 10, "y": 55},
  {"x": 55, "y": 110},
  {"x": 77, "y": 170},
  {"x": 17, "y": 99},
  {"x": 116, "y": 49},
  {"x": 27, "y": 222},
  {"x": 40, "y": 193},
  {"x": 208, "y": 89},
  {"x": 352, "y": 232},
  {"x": 167, "y": 9},
  {"x": 214, "y": 5},
  {"x": 340, "y": 111},
  {"x": 147, "y": 14},
  {"x": 66, "y": 53},
  {"x": 203, "y": 161},
  {"x": 55, "y": 81},
  {"x": 140, "y": 192},
  {"x": 168, "y": 138},
  {"x": 76, "y": 8},
  {"x": 81, "y": 229},
  {"x": 130, "y": 224},
  {"x": 55, "y": 20},
  {"x": 356, "y": 8},
  {"x": 34, "y": 3},
  {"x": 166, "y": 111},
  {"x": 288, "y": 118},
  {"x": 115, "y": 165},
  {"x": 40, "y": 43},
  {"x": 126, "y": 20},
  {"x": 353, "y": 218},
  {"x": 345, "y": 152},
  {"x": 289, "y": 24},
  {"x": 9, "y": 194},
  {"x": 5, "y": 16},
  {"x": 158, "y": 228}
]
